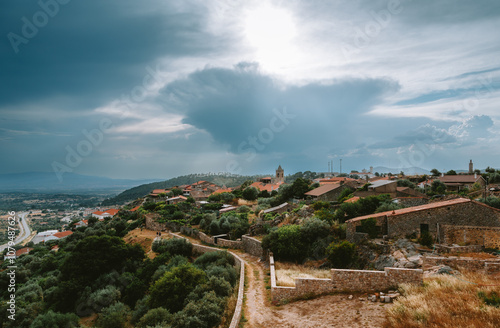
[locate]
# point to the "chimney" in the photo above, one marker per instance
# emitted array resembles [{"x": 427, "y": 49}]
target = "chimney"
[
  {"x": 442, "y": 174},
  {"x": 475, "y": 175}
]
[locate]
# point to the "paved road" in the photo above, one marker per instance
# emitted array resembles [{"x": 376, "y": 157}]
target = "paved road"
[{"x": 23, "y": 232}]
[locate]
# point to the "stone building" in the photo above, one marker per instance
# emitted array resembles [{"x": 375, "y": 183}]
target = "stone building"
[
  {"x": 328, "y": 192},
  {"x": 429, "y": 218}
]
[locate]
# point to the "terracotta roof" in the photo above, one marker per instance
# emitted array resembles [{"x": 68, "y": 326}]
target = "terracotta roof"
[
  {"x": 323, "y": 189},
  {"x": 334, "y": 180},
  {"x": 220, "y": 191},
  {"x": 158, "y": 191},
  {"x": 111, "y": 211},
  {"x": 63, "y": 234},
  {"x": 135, "y": 208},
  {"x": 266, "y": 186},
  {"x": 413, "y": 209},
  {"x": 97, "y": 212},
  {"x": 470, "y": 178},
  {"x": 24, "y": 250}
]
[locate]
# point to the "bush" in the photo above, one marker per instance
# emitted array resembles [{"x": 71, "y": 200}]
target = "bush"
[
  {"x": 203, "y": 313},
  {"x": 104, "y": 297},
  {"x": 154, "y": 317},
  {"x": 369, "y": 226},
  {"x": 55, "y": 320},
  {"x": 217, "y": 258},
  {"x": 426, "y": 239},
  {"x": 250, "y": 193},
  {"x": 286, "y": 243},
  {"x": 114, "y": 316},
  {"x": 174, "y": 246},
  {"x": 171, "y": 290},
  {"x": 341, "y": 255}
]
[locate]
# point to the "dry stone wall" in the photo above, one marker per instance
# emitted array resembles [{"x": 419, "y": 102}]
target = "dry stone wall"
[
  {"x": 466, "y": 263},
  {"x": 488, "y": 237},
  {"x": 344, "y": 281}
]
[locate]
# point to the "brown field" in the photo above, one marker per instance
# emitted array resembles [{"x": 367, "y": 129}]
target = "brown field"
[{"x": 447, "y": 301}]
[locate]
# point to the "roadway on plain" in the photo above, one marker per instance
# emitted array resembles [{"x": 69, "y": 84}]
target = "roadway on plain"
[{"x": 24, "y": 229}]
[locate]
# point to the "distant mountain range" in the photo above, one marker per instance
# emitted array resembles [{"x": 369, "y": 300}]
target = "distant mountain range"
[
  {"x": 48, "y": 182},
  {"x": 406, "y": 170}
]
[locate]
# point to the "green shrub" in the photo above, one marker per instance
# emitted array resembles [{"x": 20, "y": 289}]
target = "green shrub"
[
  {"x": 426, "y": 239},
  {"x": 493, "y": 299},
  {"x": 341, "y": 255},
  {"x": 154, "y": 317},
  {"x": 286, "y": 243},
  {"x": 217, "y": 258},
  {"x": 203, "y": 313},
  {"x": 114, "y": 316},
  {"x": 55, "y": 320},
  {"x": 370, "y": 227},
  {"x": 174, "y": 246},
  {"x": 171, "y": 290}
]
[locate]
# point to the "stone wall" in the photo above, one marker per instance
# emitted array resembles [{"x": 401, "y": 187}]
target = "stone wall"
[
  {"x": 407, "y": 221},
  {"x": 239, "y": 264},
  {"x": 466, "y": 263},
  {"x": 205, "y": 238},
  {"x": 488, "y": 237},
  {"x": 151, "y": 223},
  {"x": 252, "y": 246},
  {"x": 461, "y": 214},
  {"x": 344, "y": 281},
  {"x": 237, "y": 244},
  {"x": 459, "y": 249}
]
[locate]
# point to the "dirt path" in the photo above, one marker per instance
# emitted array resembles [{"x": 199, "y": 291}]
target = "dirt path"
[{"x": 322, "y": 312}]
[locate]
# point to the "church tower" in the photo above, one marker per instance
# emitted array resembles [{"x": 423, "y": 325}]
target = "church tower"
[
  {"x": 471, "y": 167},
  {"x": 280, "y": 175}
]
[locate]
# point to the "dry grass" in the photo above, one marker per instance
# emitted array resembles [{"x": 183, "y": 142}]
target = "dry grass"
[
  {"x": 287, "y": 272},
  {"x": 446, "y": 301}
]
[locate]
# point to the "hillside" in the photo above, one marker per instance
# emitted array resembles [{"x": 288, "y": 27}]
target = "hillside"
[{"x": 140, "y": 191}]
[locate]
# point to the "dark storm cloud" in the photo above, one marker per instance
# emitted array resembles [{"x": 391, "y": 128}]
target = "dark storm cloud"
[
  {"x": 91, "y": 51},
  {"x": 235, "y": 104}
]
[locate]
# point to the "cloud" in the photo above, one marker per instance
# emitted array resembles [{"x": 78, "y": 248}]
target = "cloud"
[
  {"x": 426, "y": 134},
  {"x": 236, "y": 104}
]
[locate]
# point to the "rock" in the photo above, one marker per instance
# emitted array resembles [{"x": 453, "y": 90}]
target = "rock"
[
  {"x": 361, "y": 299},
  {"x": 417, "y": 259},
  {"x": 410, "y": 265},
  {"x": 445, "y": 270},
  {"x": 387, "y": 299},
  {"x": 350, "y": 297},
  {"x": 384, "y": 261},
  {"x": 398, "y": 255}
]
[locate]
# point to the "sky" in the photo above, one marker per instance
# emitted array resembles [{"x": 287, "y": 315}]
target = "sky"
[{"x": 157, "y": 89}]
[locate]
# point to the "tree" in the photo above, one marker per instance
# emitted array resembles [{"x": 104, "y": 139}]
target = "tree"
[
  {"x": 250, "y": 193},
  {"x": 55, "y": 320},
  {"x": 171, "y": 290},
  {"x": 451, "y": 172},
  {"x": 437, "y": 187},
  {"x": 341, "y": 255},
  {"x": 286, "y": 243},
  {"x": 114, "y": 316},
  {"x": 155, "y": 317},
  {"x": 490, "y": 170},
  {"x": 435, "y": 172}
]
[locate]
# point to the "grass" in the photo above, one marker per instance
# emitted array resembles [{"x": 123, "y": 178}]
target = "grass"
[
  {"x": 447, "y": 301},
  {"x": 287, "y": 272}
]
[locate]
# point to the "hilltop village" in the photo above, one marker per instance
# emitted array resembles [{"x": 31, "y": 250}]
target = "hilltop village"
[{"x": 362, "y": 237}]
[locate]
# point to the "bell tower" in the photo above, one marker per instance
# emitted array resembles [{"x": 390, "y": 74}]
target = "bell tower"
[{"x": 280, "y": 175}]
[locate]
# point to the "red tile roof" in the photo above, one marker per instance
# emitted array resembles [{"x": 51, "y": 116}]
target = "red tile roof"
[
  {"x": 24, "y": 250},
  {"x": 220, "y": 191},
  {"x": 135, "y": 208},
  {"x": 111, "y": 211},
  {"x": 461, "y": 178},
  {"x": 63, "y": 234},
  {"x": 323, "y": 189},
  {"x": 413, "y": 209},
  {"x": 266, "y": 186}
]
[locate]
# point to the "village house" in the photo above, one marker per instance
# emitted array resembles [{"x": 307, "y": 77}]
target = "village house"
[
  {"x": 270, "y": 184},
  {"x": 328, "y": 192},
  {"x": 462, "y": 181},
  {"x": 435, "y": 218},
  {"x": 104, "y": 214}
]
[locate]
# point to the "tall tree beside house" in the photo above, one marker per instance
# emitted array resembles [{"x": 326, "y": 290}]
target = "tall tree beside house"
[
  {"x": 435, "y": 172},
  {"x": 451, "y": 172}
]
